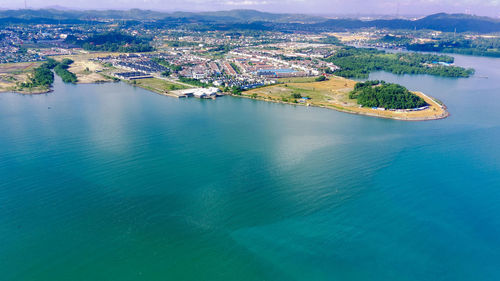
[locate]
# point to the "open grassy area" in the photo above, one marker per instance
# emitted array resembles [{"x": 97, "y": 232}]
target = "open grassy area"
[
  {"x": 297, "y": 79},
  {"x": 334, "y": 94},
  {"x": 334, "y": 90},
  {"x": 158, "y": 85}
]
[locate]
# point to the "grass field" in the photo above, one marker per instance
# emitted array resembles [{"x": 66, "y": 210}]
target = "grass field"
[
  {"x": 334, "y": 90},
  {"x": 297, "y": 80},
  {"x": 158, "y": 85}
]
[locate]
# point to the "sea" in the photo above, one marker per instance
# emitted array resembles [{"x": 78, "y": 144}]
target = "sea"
[{"x": 109, "y": 182}]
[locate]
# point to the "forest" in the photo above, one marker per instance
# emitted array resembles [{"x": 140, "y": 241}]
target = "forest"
[
  {"x": 360, "y": 62},
  {"x": 61, "y": 69},
  {"x": 41, "y": 76},
  {"x": 385, "y": 95},
  {"x": 113, "y": 42}
]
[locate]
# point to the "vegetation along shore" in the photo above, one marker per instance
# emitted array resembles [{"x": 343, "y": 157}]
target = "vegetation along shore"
[
  {"x": 372, "y": 98},
  {"x": 349, "y": 96}
]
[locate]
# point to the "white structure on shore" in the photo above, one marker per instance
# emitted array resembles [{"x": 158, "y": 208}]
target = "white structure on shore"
[{"x": 201, "y": 93}]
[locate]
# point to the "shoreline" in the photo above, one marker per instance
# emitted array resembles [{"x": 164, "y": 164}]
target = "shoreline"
[
  {"x": 439, "y": 107},
  {"x": 332, "y": 94},
  {"x": 444, "y": 115},
  {"x": 41, "y": 92}
]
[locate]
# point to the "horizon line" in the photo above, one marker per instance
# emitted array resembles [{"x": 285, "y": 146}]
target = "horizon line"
[{"x": 356, "y": 15}]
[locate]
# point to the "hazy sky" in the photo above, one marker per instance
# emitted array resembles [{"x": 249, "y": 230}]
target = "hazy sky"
[{"x": 327, "y": 7}]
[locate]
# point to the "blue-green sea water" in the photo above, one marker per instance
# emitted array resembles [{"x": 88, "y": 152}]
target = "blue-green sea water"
[{"x": 110, "y": 182}]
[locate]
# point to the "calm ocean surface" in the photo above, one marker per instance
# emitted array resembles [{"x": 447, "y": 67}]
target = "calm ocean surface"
[{"x": 110, "y": 182}]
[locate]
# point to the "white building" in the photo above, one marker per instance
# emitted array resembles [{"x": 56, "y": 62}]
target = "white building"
[{"x": 201, "y": 93}]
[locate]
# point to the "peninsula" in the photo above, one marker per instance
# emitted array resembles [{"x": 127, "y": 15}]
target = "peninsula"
[{"x": 336, "y": 93}]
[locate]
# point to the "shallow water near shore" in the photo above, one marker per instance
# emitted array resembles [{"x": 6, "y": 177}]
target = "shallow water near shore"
[{"x": 112, "y": 182}]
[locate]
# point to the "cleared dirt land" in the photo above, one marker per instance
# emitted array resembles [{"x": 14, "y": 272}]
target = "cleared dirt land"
[
  {"x": 86, "y": 70},
  {"x": 350, "y": 37},
  {"x": 89, "y": 71},
  {"x": 334, "y": 94},
  {"x": 12, "y": 73}
]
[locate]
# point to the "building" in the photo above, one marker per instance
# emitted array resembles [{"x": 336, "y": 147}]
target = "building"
[{"x": 201, "y": 93}]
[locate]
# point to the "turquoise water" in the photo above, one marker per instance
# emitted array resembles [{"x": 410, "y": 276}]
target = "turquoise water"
[{"x": 111, "y": 182}]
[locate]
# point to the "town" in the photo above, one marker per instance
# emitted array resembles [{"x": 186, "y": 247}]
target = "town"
[
  {"x": 287, "y": 62},
  {"x": 170, "y": 59},
  {"x": 222, "y": 60}
]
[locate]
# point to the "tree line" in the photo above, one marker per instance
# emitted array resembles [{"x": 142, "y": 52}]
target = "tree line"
[
  {"x": 61, "y": 69},
  {"x": 43, "y": 76},
  {"x": 113, "y": 42},
  {"x": 360, "y": 62}
]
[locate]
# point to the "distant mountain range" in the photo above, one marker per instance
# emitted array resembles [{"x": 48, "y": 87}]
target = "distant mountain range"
[
  {"x": 440, "y": 22},
  {"x": 236, "y": 16},
  {"x": 251, "y": 19}
]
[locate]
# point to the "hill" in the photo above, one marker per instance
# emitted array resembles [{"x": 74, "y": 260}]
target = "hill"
[
  {"x": 440, "y": 22},
  {"x": 252, "y": 19},
  {"x": 234, "y": 16}
]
